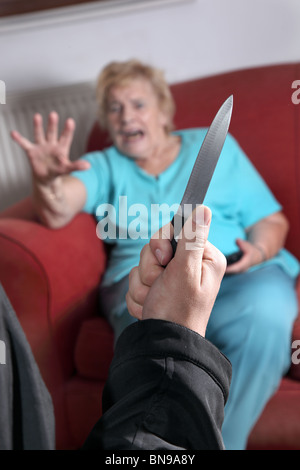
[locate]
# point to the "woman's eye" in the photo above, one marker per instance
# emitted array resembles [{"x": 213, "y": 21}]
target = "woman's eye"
[
  {"x": 114, "y": 108},
  {"x": 139, "y": 104}
]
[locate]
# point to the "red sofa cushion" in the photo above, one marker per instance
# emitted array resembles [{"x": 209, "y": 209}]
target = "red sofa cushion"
[
  {"x": 94, "y": 349},
  {"x": 279, "y": 426}
]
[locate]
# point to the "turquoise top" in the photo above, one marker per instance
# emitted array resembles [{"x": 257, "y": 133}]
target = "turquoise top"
[{"x": 126, "y": 200}]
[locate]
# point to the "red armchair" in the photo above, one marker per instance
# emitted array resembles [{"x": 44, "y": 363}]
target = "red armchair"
[{"x": 52, "y": 276}]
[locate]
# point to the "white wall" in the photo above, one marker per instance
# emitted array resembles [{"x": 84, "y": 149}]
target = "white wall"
[{"x": 187, "y": 39}]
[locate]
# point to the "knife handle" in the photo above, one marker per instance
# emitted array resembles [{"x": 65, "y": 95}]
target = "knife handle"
[
  {"x": 173, "y": 240},
  {"x": 174, "y": 246},
  {"x": 234, "y": 257}
]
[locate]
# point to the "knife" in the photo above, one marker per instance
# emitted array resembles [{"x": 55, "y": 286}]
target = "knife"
[{"x": 204, "y": 167}]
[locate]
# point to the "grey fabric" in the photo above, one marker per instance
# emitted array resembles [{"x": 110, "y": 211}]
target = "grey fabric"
[{"x": 26, "y": 410}]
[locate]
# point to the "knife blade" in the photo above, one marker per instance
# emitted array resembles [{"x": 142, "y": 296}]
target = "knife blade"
[{"x": 204, "y": 167}]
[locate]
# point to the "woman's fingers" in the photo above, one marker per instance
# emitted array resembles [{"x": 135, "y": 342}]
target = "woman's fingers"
[
  {"x": 67, "y": 134},
  {"x": 78, "y": 165},
  {"x": 52, "y": 129},
  {"x": 22, "y": 141},
  {"x": 39, "y": 134}
]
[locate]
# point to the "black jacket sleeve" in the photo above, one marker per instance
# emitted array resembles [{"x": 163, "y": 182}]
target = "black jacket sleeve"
[{"x": 166, "y": 390}]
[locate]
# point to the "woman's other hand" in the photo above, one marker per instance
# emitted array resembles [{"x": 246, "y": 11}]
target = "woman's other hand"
[{"x": 264, "y": 240}]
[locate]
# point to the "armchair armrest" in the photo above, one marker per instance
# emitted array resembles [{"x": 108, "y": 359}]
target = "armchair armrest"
[{"x": 51, "y": 278}]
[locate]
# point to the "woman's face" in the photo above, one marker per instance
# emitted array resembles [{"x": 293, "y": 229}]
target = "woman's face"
[{"x": 135, "y": 122}]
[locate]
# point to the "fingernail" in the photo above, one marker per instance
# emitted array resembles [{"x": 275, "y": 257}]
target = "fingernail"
[
  {"x": 202, "y": 215},
  {"x": 159, "y": 256}
]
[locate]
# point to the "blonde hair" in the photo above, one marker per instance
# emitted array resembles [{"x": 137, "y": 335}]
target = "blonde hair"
[{"x": 120, "y": 73}]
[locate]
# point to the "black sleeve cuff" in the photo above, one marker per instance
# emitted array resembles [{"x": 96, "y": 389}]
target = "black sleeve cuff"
[{"x": 160, "y": 338}]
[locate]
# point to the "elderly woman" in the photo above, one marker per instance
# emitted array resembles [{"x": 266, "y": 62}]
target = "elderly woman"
[{"x": 149, "y": 164}]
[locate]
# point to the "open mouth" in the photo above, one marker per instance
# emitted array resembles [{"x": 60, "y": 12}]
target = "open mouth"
[{"x": 131, "y": 136}]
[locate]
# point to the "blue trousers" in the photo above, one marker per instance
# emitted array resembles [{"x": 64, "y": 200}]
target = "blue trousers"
[{"x": 251, "y": 323}]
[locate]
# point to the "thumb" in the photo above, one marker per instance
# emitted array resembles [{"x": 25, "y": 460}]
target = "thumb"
[
  {"x": 242, "y": 244},
  {"x": 192, "y": 240}
]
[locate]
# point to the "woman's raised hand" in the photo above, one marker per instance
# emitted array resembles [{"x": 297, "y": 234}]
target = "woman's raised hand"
[{"x": 49, "y": 154}]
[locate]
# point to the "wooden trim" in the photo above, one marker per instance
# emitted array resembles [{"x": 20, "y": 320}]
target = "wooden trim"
[
  {"x": 83, "y": 11},
  {"x": 18, "y": 7}
]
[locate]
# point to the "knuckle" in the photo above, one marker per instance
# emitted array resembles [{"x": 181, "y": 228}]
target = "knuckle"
[
  {"x": 150, "y": 274},
  {"x": 220, "y": 263},
  {"x": 137, "y": 290},
  {"x": 132, "y": 277},
  {"x": 144, "y": 252},
  {"x": 134, "y": 309}
]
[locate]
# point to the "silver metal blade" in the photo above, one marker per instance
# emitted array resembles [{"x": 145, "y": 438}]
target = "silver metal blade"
[
  {"x": 208, "y": 156},
  {"x": 206, "y": 161}
]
